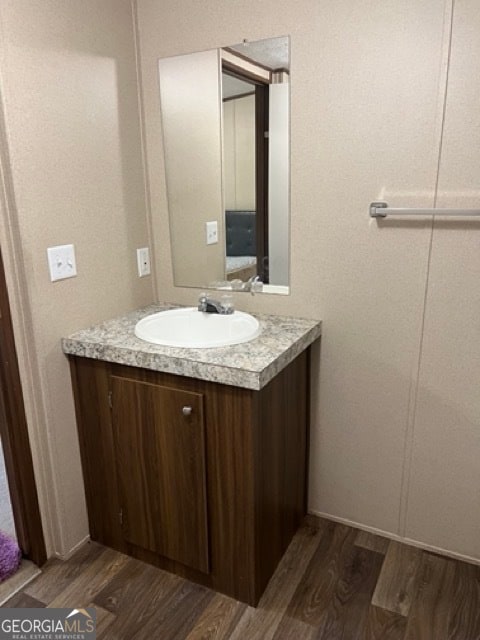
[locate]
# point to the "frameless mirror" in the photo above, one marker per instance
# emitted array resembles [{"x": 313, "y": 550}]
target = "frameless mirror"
[{"x": 225, "y": 120}]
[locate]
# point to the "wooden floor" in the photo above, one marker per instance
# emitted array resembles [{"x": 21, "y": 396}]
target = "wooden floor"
[{"x": 334, "y": 582}]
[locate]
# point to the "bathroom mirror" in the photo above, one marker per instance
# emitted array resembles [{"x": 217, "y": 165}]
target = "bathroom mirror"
[{"x": 226, "y": 140}]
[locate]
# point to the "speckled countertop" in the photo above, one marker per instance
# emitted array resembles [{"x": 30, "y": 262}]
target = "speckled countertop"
[{"x": 250, "y": 365}]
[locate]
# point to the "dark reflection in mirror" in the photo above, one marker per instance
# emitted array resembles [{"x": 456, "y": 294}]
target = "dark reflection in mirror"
[{"x": 248, "y": 70}]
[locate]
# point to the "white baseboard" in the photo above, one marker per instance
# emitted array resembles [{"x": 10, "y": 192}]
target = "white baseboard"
[
  {"x": 26, "y": 573},
  {"x": 396, "y": 538},
  {"x": 69, "y": 554}
]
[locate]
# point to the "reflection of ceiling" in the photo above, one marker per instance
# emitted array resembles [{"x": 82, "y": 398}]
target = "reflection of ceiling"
[
  {"x": 235, "y": 87},
  {"x": 272, "y": 53}
]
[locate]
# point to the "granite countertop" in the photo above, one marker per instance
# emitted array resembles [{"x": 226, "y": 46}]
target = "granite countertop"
[{"x": 250, "y": 365}]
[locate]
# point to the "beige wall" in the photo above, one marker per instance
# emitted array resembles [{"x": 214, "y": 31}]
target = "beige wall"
[
  {"x": 68, "y": 81},
  {"x": 444, "y": 493},
  {"x": 367, "y": 91},
  {"x": 239, "y": 153},
  {"x": 190, "y": 111}
]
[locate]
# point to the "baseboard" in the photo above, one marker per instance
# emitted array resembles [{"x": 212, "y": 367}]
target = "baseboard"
[
  {"x": 69, "y": 554},
  {"x": 26, "y": 573},
  {"x": 396, "y": 538}
]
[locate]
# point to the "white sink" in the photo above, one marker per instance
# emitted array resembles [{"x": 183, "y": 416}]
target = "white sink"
[{"x": 190, "y": 328}]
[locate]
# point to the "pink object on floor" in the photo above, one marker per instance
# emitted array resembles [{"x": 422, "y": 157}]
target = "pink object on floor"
[{"x": 10, "y": 556}]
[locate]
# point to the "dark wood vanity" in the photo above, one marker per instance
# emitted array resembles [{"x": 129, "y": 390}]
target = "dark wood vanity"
[
  {"x": 195, "y": 460},
  {"x": 206, "y": 480}
]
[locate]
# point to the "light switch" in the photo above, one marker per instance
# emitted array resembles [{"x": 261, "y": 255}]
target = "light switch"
[
  {"x": 61, "y": 262},
  {"x": 212, "y": 232},
  {"x": 143, "y": 262}
]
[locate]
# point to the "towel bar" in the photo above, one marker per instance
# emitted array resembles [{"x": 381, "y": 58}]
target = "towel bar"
[{"x": 382, "y": 210}]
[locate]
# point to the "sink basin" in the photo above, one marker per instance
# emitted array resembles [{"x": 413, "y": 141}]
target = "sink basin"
[{"x": 190, "y": 328}]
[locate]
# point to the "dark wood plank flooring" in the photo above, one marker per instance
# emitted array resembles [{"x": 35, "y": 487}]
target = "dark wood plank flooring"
[{"x": 334, "y": 583}]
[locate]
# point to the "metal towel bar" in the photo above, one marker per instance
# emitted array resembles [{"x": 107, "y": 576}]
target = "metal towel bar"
[{"x": 382, "y": 210}]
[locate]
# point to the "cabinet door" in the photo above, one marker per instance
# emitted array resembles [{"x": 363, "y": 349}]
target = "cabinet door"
[{"x": 160, "y": 457}]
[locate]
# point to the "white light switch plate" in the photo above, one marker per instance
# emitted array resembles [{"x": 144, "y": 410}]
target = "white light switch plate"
[
  {"x": 61, "y": 262},
  {"x": 143, "y": 262},
  {"x": 212, "y": 232}
]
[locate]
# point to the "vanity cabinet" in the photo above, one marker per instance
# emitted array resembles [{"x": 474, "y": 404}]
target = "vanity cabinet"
[
  {"x": 159, "y": 448},
  {"x": 200, "y": 478}
]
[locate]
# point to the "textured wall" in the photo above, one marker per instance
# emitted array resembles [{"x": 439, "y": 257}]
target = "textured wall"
[
  {"x": 444, "y": 494},
  {"x": 190, "y": 100},
  {"x": 367, "y": 89},
  {"x": 71, "y": 114},
  {"x": 239, "y": 153}
]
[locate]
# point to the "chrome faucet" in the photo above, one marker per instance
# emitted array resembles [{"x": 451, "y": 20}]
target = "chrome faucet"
[
  {"x": 253, "y": 284},
  {"x": 209, "y": 305}
]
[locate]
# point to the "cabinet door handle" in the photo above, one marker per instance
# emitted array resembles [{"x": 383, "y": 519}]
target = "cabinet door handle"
[{"x": 187, "y": 411}]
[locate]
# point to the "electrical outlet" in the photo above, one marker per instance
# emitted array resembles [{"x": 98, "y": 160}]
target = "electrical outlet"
[
  {"x": 61, "y": 262},
  {"x": 143, "y": 262},
  {"x": 212, "y": 232}
]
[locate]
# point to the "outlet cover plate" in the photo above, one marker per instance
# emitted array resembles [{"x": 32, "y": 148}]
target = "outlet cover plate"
[
  {"x": 212, "y": 232},
  {"x": 61, "y": 262},
  {"x": 143, "y": 262}
]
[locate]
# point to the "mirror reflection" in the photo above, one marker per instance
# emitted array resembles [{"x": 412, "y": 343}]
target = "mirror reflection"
[{"x": 225, "y": 118}]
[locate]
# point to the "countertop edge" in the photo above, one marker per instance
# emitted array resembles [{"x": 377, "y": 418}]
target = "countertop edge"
[
  {"x": 161, "y": 363},
  {"x": 238, "y": 376},
  {"x": 289, "y": 355}
]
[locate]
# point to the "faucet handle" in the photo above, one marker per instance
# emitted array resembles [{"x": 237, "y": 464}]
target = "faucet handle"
[
  {"x": 255, "y": 285},
  {"x": 202, "y": 301},
  {"x": 227, "y": 303}
]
